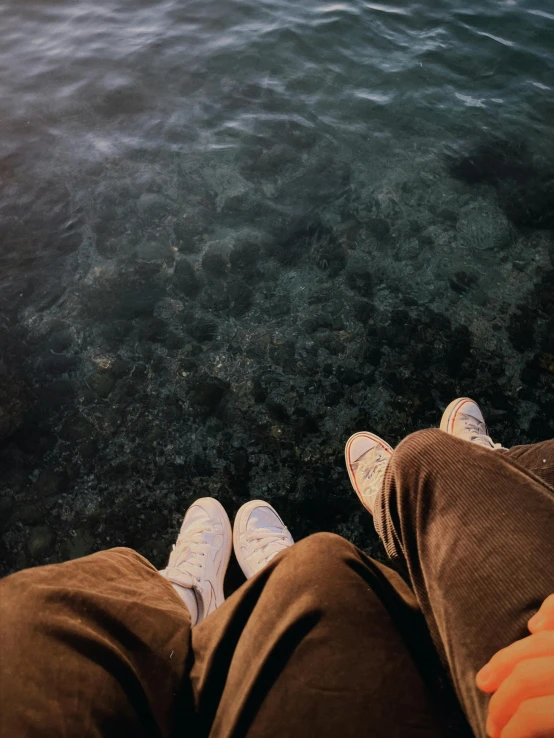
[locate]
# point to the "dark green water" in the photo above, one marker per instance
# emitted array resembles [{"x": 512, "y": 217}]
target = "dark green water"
[{"x": 233, "y": 233}]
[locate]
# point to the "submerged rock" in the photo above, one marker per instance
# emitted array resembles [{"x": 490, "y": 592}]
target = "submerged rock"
[
  {"x": 462, "y": 281},
  {"x": 51, "y": 483},
  {"x": 525, "y": 191},
  {"x": 214, "y": 263},
  {"x": 14, "y": 403},
  {"x": 185, "y": 279},
  {"x": 154, "y": 251},
  {"x": 40, "y": 541},
  {"x": 207, "y": 392},
  {"x": 102, "y": 383},
  {"x": 244, "y": 260},
  {"x": 153, "y": 205}
]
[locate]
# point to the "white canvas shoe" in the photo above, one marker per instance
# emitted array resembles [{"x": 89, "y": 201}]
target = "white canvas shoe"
[
  {"x": 259, "y": 534},
  {"x": 463, "y": 418},
  {"x": 367, "y": 457},
  {"x": 201, "y": 555}
]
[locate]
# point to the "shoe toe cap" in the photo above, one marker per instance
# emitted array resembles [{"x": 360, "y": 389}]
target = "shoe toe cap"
[
  {"x": 467, "y": 407},
  {"x": 263, "y": 516},
  {"x": 357, "y": 446}
]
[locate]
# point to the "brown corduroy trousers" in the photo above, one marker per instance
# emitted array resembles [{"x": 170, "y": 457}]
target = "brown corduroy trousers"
[{"x": 323, "y": 641}]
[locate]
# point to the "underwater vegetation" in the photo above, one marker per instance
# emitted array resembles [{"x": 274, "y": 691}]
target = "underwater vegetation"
[{"x": 524, "y": 187}]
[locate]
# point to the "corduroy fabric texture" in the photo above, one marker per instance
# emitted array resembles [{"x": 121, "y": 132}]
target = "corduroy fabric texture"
[
  {"x": 323, "y": 641},
  {"x": 475, "y": 528}
]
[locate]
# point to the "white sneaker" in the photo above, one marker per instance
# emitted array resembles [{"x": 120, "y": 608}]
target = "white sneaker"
[
  {"x": 200, "y": 557},
  {"x": 259, "y": 534},
  {"x": 367, "y": 457},
  {"x": 463, "y": 418}
]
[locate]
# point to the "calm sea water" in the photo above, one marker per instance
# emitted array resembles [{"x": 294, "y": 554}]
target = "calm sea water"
[{"x": 233, "y": 233}]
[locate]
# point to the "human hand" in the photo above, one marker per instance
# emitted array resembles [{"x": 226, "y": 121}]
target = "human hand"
[{"x": 522, "y": 679}]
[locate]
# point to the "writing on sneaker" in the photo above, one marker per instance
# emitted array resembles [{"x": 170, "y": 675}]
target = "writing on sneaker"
[
  {"x": 259, "y": 535},
  {"x": 200, "y": 556},
  {"x": 463, "y": 418},
  {"x": 367, "y": 457}
]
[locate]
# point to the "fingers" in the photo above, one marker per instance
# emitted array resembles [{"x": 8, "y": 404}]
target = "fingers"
[
  {"x": 533, "y": 719},
  {"x": 529, "y": 679},
  {"x": 544, "y": 618},
  {"x": 504, "y": 661},
  {"x": 522, "y": 679}
]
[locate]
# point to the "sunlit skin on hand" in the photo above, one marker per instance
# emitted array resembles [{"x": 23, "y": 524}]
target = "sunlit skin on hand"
[{"x": 521, "y": 678}]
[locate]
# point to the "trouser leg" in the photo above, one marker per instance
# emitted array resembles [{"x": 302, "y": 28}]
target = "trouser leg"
[
  {"x": 475, "y": 530},
  {"x": 538, "y": 458},
  {"x": 323, "y": 642},
  {"x": 93, "y": 647}
]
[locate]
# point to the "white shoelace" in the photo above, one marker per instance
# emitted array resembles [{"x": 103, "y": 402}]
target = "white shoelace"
[
  {"x": 187, "y": 556},
  {"x": 477, "y": 430},
  {"x": 268, "y": 542},
  {"x": 371, "y": 470}
]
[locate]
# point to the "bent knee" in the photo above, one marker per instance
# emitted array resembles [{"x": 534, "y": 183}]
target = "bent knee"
[
  {"x": 319, "y": 552},
  {"x": 319, "y": 572},
  {"x": 322, "y": 544},
  {"x": 421, "y": 447}
]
